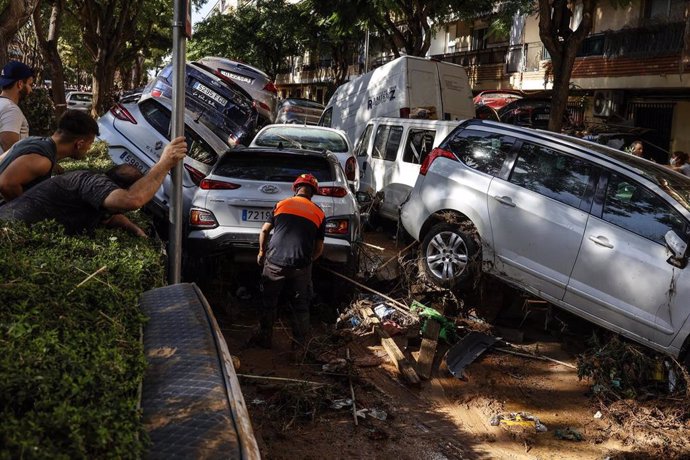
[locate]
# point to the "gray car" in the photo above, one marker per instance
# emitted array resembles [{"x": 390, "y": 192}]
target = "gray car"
[
  {"x": 300, "y": 111},
  {"x": 257, "y": 83},
  {"x": 596, "y": 231},
  {"x": 79, "y": 100}
]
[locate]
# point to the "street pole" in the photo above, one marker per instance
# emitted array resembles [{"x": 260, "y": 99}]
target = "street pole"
[
  {"x": 180, "y": 33},
  {"x": 366, "y": 52}
]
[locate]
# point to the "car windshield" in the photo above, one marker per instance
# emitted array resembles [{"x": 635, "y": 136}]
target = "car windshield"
[
  {"x": 302, "y": 138},
  {"x": 676, "y": 185},
  {"x": 273, "y": 166}
]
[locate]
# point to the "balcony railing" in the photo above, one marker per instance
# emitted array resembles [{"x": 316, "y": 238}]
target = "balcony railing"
[
  {"x": 488, "y": 56},
  {"x": 656, "y": 40}
]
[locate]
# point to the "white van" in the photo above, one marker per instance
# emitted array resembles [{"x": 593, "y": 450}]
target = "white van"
[
  {"x": 389, "y": 153},
  {"x": 407, "y": 87}
]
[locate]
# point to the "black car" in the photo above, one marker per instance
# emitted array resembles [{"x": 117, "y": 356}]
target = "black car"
[
  {"x": 227, "y": 109},
  {"x": 529, "y": 112}
]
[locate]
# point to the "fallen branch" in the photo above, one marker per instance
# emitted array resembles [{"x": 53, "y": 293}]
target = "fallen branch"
[
  {"x": 395, "y": 257},
  {"x": 100, "y": 270},
  {"x": 280, "y": 379},
  {"x": 352, "y": 390},
  {"x": 378, "y": 248},
  {"x": 539, "y": 357},
  {"x": 401, "y": 307}
]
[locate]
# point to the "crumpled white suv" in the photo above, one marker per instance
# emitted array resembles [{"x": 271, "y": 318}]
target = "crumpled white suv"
[{"x": 593, "y": 230}]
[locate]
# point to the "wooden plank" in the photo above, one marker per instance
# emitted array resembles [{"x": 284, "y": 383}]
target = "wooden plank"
[
  {"x": 394, "y": 352},
  {"x": 427, "y": 351}
]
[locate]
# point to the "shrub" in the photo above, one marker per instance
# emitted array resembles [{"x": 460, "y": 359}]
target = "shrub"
[
  {"x": 71, "y": 359},
  {"x": 39, "y": 110}
]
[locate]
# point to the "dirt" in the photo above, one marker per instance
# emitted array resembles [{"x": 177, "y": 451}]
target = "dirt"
[{"x": 445, "y": 418}]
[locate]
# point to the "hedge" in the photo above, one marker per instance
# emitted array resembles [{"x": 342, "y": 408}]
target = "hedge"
[{"x": 71, "y": 357}]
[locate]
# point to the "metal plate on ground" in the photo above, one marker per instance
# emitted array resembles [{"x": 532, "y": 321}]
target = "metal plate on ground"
[{"x": 187, "y": 407}]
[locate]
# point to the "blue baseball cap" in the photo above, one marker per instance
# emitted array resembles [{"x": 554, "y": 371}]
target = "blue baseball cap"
[{"x": 14, "y": 71}]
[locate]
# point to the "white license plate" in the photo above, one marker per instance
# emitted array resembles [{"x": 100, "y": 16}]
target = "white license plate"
[
  {"x": 130, "y": 159},
  {"x": 206, "y": 91},
  {"x": 542, "y": 116},
  {"x": 234, "y": 76},
  {"x": 255, "y": 215}
]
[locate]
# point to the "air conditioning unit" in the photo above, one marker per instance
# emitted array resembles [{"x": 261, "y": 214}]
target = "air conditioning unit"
[{"x": 607, "y": 103}]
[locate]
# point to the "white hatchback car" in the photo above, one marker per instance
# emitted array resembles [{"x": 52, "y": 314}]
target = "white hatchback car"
[
  {"x": 594, "y": 230},
  {"x": 312, "y": 138},
  {"x": 237, "y": 197}
]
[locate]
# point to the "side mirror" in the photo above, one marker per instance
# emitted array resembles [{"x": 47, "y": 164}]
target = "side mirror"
[{"x": 678, "y": 249}]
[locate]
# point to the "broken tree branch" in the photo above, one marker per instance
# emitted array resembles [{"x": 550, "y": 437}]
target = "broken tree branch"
[
  {"x": 352, "y": 390},
  {"x": 539, "y": 357},
  {"x": 395, "y": 257},
  {"x": 103, "y": 268},
  {"x": 401, "y": 307},
  {"x": 280, "y": 379}
]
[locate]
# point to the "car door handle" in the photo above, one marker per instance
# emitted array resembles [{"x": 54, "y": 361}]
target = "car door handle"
[
  {"x": 601, "y": 241},
  {"x": 505, "y": 200}
]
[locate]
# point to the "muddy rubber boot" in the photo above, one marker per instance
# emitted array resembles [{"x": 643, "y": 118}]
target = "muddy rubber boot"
[{"x": 263, "y": 337}]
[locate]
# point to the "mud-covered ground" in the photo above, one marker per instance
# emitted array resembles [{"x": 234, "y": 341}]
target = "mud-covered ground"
[{"x": 444, "y": 417}]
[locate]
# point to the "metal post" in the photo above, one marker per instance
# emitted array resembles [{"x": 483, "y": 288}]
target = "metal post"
[
  {"x": 366, "y": 52},
  {"x": 177, "y": 129}
]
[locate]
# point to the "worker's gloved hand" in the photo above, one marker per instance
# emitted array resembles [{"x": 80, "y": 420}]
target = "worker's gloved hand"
[{"x": 260, "y": 258}]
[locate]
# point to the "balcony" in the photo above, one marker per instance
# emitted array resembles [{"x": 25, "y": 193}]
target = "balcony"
[{"x": 487, "y": 56}]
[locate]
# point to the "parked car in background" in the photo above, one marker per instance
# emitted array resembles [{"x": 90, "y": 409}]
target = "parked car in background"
[
  {"x": 529, "y": 111},
  {"x": 390, "y": 152},
  {"x": 593, "y": 230},
  {"x": 137, "y": 132},
  {"x": 132, "y": 95},
  {"x": 258, "y": 84},
  {"x": 79, "y": 100},
  {"x": 224, "y": 107},
  {"x": 237, "y": 197},
  {"x": 496, "y": 99},
  {"x": 312, "y": 138},
  {"x": 301, "y": 111}
]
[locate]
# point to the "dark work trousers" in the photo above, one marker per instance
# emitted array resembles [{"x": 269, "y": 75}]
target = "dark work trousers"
[{"x": 274, "y": 279}]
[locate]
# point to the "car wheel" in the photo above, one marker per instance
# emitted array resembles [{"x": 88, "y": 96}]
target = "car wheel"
[{"x": 449, "y": 257}]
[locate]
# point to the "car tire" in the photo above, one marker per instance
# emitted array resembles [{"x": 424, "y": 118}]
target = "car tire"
[{"x": 449, "y": 257}]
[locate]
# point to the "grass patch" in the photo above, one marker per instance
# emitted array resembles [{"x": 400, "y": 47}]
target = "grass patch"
[{"x": 71, "y": 359}]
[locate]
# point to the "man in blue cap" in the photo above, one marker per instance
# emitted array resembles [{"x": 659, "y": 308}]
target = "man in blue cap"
[{"x": 16, "y": 81}]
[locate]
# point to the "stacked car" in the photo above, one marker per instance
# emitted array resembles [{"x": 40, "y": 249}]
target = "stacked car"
[{"x": 229, "y": 190}]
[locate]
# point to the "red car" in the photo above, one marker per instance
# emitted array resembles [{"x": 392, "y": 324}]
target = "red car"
[{"x": 496, "y": 98}]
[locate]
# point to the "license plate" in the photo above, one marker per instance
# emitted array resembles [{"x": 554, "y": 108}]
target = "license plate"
[
  {"x": 542, "y": 116},
  {"x": 234, "y": 76},
  {"x": 130, "y": 159},
  {"x": 210, "y": 94},
  {"x": 255, "y": 215}
]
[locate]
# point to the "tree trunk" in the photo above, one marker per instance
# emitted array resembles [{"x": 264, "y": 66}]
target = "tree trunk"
[
  {"x": 562, "y": 68},
  {"x": 49, "y": 49},
  {"x": 102, "y": 84},
  {"x": 13, "y": 18}
]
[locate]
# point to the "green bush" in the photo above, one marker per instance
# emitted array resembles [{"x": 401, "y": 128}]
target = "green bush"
[
  {"x": 71, "y": 359},
  {"x": 39, "y": 110}
]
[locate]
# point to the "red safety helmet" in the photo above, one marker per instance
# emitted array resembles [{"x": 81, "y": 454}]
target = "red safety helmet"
[{"x": 306, "y": 179}]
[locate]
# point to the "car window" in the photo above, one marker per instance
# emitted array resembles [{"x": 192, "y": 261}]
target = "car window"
[
  {"x": 302, "y": 138},
  {"x": 635, "y": 208},
  {"x": 273, "y": 166},
  {"x": 419, "y": 144},
  {"x": 363, "y": 142},
  {"x": 327, "y": 118},
  {"x": 387, "y": 141},
  {"x": 159, "y": 117},
  {"x": 551, "y": 173},
  {"x": 481, "y": 150},
  {"x": 81, "y": 97}
]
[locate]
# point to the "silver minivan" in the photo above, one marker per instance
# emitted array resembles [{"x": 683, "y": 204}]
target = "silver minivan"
[{"x": 596, "y": 231}]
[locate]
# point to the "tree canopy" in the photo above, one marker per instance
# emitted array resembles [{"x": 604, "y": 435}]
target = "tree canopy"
[{"x": 262, "y": 34}]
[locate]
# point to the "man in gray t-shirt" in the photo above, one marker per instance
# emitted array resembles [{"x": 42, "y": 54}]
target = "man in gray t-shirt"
[
  {"x": 16, "y": 81},
  {"x": 80, "y": 200}
]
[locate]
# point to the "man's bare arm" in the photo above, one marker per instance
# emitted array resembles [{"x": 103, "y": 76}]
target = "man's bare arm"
[
  {"x": 263, "y": 240},
  {"x": 142, "y": 191},
  {"x": 8, "y": 139},
  {"x": 121, "y": 221},
  {"x": 21, "y": 172}
]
